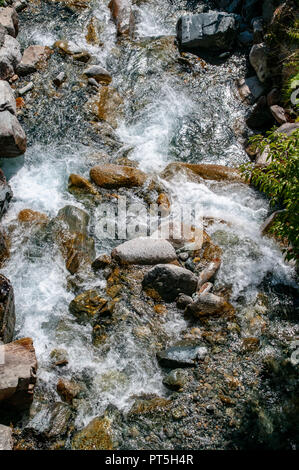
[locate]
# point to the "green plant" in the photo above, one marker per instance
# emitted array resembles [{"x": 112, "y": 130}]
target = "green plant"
[{"x": 279, "y": 180}]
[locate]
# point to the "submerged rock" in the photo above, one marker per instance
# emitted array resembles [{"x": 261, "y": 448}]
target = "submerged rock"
[
  {"x": 28, "y": 216},
  {"x": 213, "y": 31},
  {"x": 182, "y": 354},
  {"x": 68, "y": 390},
  {"x": 100, "y": 74},
  {"x": 18, "y": 374},
  {"x": 6, "y": 439},
  {"x": 112, "y": 176},
  {"x": 170, "y": 281},
  {"x": 121, "y": 15},
  {"x": 7, "y": 310},
  {"x": 88, "y": 305},
  {"x": 144, "y": 251},
  {"x": 107, "y": 105},
  {"x": 208, "y": 304},
  {"x": 176, "y": 379},
  {"x": 205, "y": 171},
  {"x": 97, "y": 435},
  {"x": 33, "y": 57}
]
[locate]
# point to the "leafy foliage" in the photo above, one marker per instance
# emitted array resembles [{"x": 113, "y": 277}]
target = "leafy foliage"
[{"x": 279, "y": 180}]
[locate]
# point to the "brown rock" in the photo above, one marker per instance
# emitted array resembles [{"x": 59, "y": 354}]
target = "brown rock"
[
  {"x": 208, "y": 304},
  {"x": 102, "y": 262},
  {"x": 7, "y": 310},
  {"x": 33, "y": 58},
  {"x": 9, "y": 20},
  {"x": 205, "y": 171},
  {"x": 68, "y": 390},
  {"x": 97, "y": 435},
  {"x": 4, "y": 247},
  {"x": 77, "y": 181},
  {"x": 87, "y": 305},
  {"x": 121, "y": 15},
  {"x": 100, "y": 74},
  {"x": 28, "y": 216},
  {"x": 107, "y": 105},
  {"x": 112, "y": 176},
  {"x": 163, "y": 201},
  {"x": 279, "y": 114},
  {"x": 17, "y": 374}
]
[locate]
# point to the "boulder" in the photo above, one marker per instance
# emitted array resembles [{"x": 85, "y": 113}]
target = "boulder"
[
  {"x": 10, "y": 55},
  {"x": 144, "y": 251},
  {"x": 258, "y": 58},
  {"x": 30, "y": 217},
  {"x": 250, "y": 89},
  {"x": 279, "y": 114},
  {"x": 5, "y": 193},
  {"x": 288, "y": 128},
  {"x": 7, "y": 98},
  {"x": 106, "y": 105},
  {"x": 170, "y": 281},
  {"x": 121, "y": 13},
  {"x": 7, "y": 310},
  {"x": 6, "y": 440},
  {"x": 213, "y": 31},
  {"x": 112, "y": 176},
  {"x": 99, "y": 74},
  {"x": 205, "y": 171},
  {"x": 9, "y": 20},
  {"x": 68, "y": 390},
  {"x": 208, "y": 304},
  {"x": 78, "y": 183},
  {"x": 13, "y": 140},
  {"x": 17, "y": 374},
  {"x": 32, "y": 58},
  {"x": 182, "y": 354},
  {"x": 88, "y": 305}
]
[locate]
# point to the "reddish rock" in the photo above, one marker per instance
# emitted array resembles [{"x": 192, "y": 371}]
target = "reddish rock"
[
  {"x": 121, "y": 15},
  {"x": 112, "y": 176}
]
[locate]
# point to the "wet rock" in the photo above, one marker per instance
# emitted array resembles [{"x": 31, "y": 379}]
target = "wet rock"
[
  {"x": 288, "y": 128},
  {"x": 250, "y": 89},
  {"x": 245, "y": 38},
  {"x": 112, "y": 176},
  {"x": 4, "y": 247},
  {"x": 147, "y": 405},
  {"x": 182, "y": 354},
  {"x": 176, "y": 379},
  {"x": 101, "y": 262},
  {"x": 10, "y": 55},
  {"x": 88, "y": 305},
  {"x": 97, "y": 435},
  {"x": 80, "y": 183},
  {"x": 18, "y": 374},
  {"x": 208, "y": 272},
  {"x": 13, "y": 140},
  {"x": 9, "y": 20},
  {"x": 213, "y": 31},
  {"x": 28, "y": 216},
  {"x": 5, "y": 193},
  {"x": 183, "y": 300},
  {"x": 68, "y": 390},
  {"x": 121, "y": 15},
  {"x": 170, "y": 281},
  {"x": 33, "y": 58},
  {"x": 107, "y": 105},
  {"x": 279, "y": 114},
  {"x": 208, "y": 304},
  {"x": 25, "y": 89},
  {"x": 144, "y": 251},
  {"x": 205, "y": 171},
  {"x": 100, "y": 74},
  {"x": 6, "y": 439},
  {"x": 258, "y": 58},
  {"x": 260, "y": 116},
  {"x": 67, "y": 48},
  {"x": 164, "y": 202},
  {"x": 7, "y": 310},
  {"x": 59, "y": 357},
  {"x": 58, "y": 420},
  {"x": 59, "y": 79},
  {"x": 70, "y": 233},
  {"x": 93, "y": 82}
]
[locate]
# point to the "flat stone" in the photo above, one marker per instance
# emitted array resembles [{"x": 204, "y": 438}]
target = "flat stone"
[
  {"x": 144, "y": 251},
  {"x": 182, "y": 354}
]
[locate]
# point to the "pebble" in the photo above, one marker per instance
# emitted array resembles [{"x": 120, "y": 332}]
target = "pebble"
[{"x": 25, "y": 89}]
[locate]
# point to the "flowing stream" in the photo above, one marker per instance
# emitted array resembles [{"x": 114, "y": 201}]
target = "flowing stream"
[{"x": 172, "y": 112}]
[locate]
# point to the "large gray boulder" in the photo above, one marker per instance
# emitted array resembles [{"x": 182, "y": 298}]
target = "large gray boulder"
[
  {"x": 10, "y": 54},
  {"x": 144, "y": 251},
  {"x": 213, "y": 31},
  {"x": 5, "y": 194},
  {"x": 9, "y": 20},
  {"x": 7, "y": 310},
  {"x": 7, "y": 99},
  {"x": 17, "y": 374},
  {"x": 13, "y": 140},
  {"x": 170, "y": 281},
  {"x": 6, "y": 440}
]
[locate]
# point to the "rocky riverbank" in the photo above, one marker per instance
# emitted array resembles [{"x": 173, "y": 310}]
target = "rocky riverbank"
[{"x": 172, "y": 343}]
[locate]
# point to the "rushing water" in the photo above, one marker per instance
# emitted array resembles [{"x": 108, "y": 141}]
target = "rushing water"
[{"x": 170, "y": 115}]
